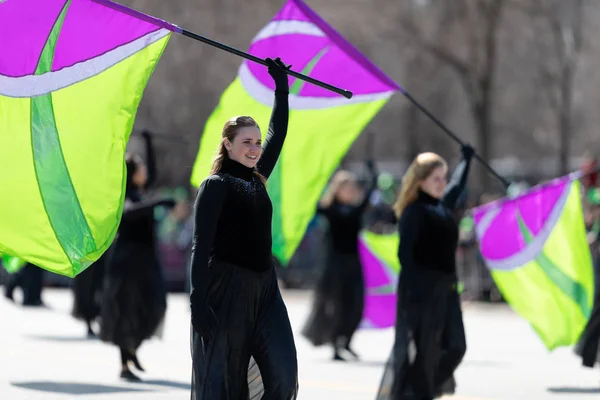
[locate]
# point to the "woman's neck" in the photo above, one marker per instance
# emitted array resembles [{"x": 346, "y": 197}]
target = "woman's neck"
[
  {"x": 425, "y": 197},
  {"x": 237, "y": 169}
]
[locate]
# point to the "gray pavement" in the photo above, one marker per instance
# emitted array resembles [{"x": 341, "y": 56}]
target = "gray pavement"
[{"x": 45, "y": 355}]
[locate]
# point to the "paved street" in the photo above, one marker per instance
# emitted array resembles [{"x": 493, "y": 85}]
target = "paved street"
[{"x": 44, "y": 355}]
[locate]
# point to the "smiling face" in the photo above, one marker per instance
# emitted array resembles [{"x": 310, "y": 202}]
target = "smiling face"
[
  {"x": 435, "y": 184},
  {"x": 246, "y": 146}
]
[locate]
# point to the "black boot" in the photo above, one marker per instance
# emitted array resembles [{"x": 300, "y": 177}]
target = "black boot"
[
  {"x": 349, "y": 350},
  {"x": 129, "y": 376},
  {"x": 136, "y": 363},
  {"x": 90, "y": 332}
]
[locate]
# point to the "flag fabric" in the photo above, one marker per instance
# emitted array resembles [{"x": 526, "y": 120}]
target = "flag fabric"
[
  {"x": 381, "y": 267},
  {"x": 322, "y": 124},
  {"x": 535, "y": 246},
  {"x": 72, "y": 73},
  {"x": 12, "y": 264}
]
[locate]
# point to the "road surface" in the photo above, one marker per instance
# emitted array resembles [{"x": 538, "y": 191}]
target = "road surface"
[{"x": 45, "y": 355}]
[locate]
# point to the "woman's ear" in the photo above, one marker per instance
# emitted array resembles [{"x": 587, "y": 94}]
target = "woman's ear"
[{"x": 227, "y": 144}]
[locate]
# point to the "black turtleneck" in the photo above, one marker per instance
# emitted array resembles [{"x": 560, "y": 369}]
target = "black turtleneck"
[
  {"x": 233, "y": 211},
  {"x": 137, "y": 222},
  {"x": 429, "y": 231},
  {"x": 345, "y": 221}
]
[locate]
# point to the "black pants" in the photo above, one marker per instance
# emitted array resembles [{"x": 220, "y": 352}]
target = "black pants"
[
  {"x": 338, "y": 302},
  {"x": 440, "y": 347},
  {"x": 252, "y": 350},
  {"x": 430, "y": 344}
]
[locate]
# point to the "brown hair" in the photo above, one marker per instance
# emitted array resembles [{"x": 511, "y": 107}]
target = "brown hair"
[
  {"x": 230, "y": 130},
  {"x": 419, "y": 170}
]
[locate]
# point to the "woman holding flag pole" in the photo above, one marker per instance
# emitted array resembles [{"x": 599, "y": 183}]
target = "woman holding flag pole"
[
  {"x": 238, "y": 315},
  {"x": 428, "y": 317},
  {"x": 134, "y": 297},
  {"x": 339, "y": 295}
]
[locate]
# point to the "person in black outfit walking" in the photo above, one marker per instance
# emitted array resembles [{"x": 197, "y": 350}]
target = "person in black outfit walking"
[
  {"x": 588, "y": 345},
  {"x": 429, "y": 316},
  {"x": 339, "y": 293},
  {"x": 239, "y": 319},
  {"x": 134, "y": 296},
  {"x": 87, "y": 293}
]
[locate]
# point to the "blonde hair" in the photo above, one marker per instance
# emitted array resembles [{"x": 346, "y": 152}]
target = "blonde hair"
[
  {"x": 419, "y": 170},
  {"x": 339, "y": 179}
]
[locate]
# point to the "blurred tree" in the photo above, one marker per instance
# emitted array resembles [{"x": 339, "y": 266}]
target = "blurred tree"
[
  {"x": 559, "y": 27},
  {"x": 463, "y": 35}
]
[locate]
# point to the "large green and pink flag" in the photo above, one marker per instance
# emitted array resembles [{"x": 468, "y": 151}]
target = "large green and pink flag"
[
  {"x": 322, "y": 125},
  {"x": 72, "y": 73},
  {"x": 536, "y": 248},
  {"x": 381, "y": 268},
  {"x": 381, "y": 271}
]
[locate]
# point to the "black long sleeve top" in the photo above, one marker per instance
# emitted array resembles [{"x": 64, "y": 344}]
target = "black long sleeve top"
[
  {"x": 345, "y": 221},
  {"x": 429, "y": 231},
  {"x": 233, "y": 211},
  {"x": 137, "y": 222}
]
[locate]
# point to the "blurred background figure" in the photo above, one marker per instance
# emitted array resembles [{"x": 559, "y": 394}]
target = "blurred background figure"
[
  {"x": 339, "y": 293},
  {"x": 134, "y": 299}
]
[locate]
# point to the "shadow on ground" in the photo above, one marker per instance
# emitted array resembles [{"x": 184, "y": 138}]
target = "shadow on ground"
[
  {"x": 574, "y": 390},
  {"x": 81, "y": 338},
  {"x": 73, "y": 388}
]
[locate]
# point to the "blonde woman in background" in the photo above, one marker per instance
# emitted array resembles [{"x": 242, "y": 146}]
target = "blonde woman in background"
[
  {"x": 429, "y": 317},
  {"x": 339, "y": 293}
]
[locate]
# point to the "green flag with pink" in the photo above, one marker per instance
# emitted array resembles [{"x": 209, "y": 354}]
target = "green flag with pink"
[
  {"x": 322, "y": 125},
  {"x": 72, "y": 74},
  {"x": 535, "y": 246}
]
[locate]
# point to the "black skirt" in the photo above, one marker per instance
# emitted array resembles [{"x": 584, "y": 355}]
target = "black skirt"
[
  {"x": 87, "y": 291},
  {"x": 430, "y": 340},
  {"x": 251, "y": 351},
  {"x": 338, "y": 303},
  {"x": 134, "y": 297}
]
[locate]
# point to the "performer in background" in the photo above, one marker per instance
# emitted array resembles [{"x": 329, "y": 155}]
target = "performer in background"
[
  {"x": 134, "y": 299},
  {"x": 430, "y": 339},
  {"x": 588, "y": 346},
  {"x": 339, "y": 293}
]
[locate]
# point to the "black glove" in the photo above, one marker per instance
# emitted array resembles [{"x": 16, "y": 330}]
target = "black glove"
[
  {"x": 467, "y": 151},
  {"x": 168, "y": 203},
  {"x": 277, "y": 70}
]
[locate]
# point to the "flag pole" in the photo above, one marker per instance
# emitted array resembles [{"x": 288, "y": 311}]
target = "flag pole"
[
  {"x": 446, "y": 130},
  {"x": 346, "y": 93},
  {"x": 174, "y": 28}
]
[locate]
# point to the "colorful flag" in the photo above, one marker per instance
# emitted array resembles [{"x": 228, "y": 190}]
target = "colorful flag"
[
  {"x": 322, "y": 124},
  {"x": 72, "y": 73},
  {"x": 536, "y": 248},
  {"x": 381, "y": 267}
]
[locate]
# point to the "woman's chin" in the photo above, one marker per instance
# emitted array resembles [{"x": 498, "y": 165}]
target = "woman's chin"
[{"x": 250, "y": 163}]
